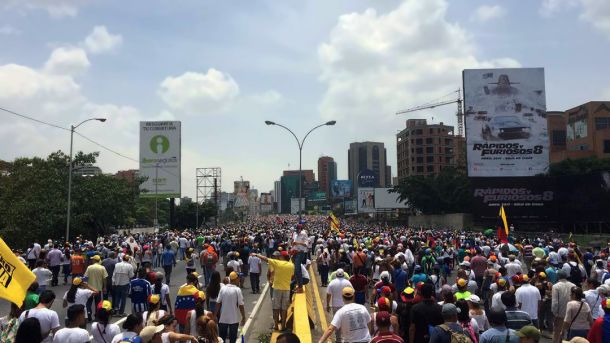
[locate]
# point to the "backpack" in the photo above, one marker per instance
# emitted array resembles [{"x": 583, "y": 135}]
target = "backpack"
[
  {"x": 456, "y": 337},
  {"x": 209, "y": 261},
  {"x": 575, "y": 275}
]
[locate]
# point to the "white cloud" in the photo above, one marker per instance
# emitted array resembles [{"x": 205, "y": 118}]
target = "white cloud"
[
  {"x": 8, "y": 30},
  {"x": 485, "y": 13},
  {"x": 100, "y": 40},
  {"x": 550, "y": 7},
  {"x": 198, "y": 93},
  {"x": 597, "y": 13},
  {"x": 55, "y": 8},
  {"x": 270, "y": 97},
  {"x": 375, "y": 64},
  {"x": 67, "y": 60}
]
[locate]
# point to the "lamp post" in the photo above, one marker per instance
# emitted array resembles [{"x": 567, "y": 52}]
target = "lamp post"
[
  {"x": 300, "y": 144},
  {"x": 72, "y": 128}
]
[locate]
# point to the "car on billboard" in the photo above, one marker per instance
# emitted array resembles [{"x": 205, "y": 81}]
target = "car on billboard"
[{"x": 506, "y": 127}]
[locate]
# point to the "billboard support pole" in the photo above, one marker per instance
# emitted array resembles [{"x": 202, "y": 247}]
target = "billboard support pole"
[
  {"x": 156, "y": 196},
  {"x": 208, "y": 181}
]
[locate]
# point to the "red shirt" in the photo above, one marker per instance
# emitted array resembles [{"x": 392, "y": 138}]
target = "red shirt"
[
  {"x": 77, "y": 264},
  {"x": 387, "y": 337},
  {"x": 359, "y": 282},
  {"x": 597, "y": 331}
]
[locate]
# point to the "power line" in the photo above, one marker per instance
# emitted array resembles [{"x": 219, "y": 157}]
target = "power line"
[
  {"x": 81, "y": 135},
  {"x": 33, "y": 119}
]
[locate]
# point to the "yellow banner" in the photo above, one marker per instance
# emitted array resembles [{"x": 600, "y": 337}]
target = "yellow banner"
[{"x": 15, "y": 277}]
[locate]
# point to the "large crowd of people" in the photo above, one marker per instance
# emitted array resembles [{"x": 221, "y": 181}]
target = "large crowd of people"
[{"x": 382, "y": 283}]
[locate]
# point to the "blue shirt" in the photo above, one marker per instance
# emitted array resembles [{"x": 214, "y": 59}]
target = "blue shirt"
[
  {"x": 498, "y": 335},
  {"x": 417, "y": 278},
  {"x": 168, "y": 258},
  {"x": 139, "y": 290},
  {"x": 551, "y": 274},
  {"x": 400, "y": 280}
]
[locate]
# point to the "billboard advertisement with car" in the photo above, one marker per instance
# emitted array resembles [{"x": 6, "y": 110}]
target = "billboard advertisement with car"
[{"x": 505, "y": 118}]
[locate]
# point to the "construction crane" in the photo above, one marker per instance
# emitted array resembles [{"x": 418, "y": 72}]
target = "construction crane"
[{"x": 440, "y": 102}]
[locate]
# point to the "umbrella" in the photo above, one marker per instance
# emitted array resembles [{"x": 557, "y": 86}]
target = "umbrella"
[{"x": 489, "y": 233}]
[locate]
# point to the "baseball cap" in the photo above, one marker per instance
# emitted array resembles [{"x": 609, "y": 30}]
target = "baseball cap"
[
  {"x": 501, "y": 281},
  {"x": 450, "y": 310},
  {"x": 462, "y": 282},
  {"x": 382, "y": 318},
  {"x": 384, "y": 304},
  {"x": 529, "y": 331},
  {"x": 385, "y": 275},
  {"x": 154, "y": 298},
  {"x": 104, "y": 304},
  {"x": 340, "y": 273},
  {"x": 149, "y": 332},
  {"x": 95, "y": 258},
  {"x": 386, "y": 290},
  {"x": 473, "y": 298},
  {"x": 233, "y": 276},
  {"x": 77, "y": 281},
  {"x": 542, "y": 275},
  {"x": 348, "y": 292}
]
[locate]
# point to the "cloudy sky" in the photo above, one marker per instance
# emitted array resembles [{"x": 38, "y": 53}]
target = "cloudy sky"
[{"x": 223, "y": 67}]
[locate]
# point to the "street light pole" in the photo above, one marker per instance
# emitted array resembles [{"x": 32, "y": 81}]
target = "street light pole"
[
  {"x": 300, "y": 143},
  {"x": 156, "y": 196},
  {"x": 72, "y": 128}
]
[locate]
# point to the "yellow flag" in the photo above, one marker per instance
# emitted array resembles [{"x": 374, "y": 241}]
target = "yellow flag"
[
  {"x": 15, "y": 277},
  {"x": 503, "y": 217},
  {"x": 334, "y": 223}
]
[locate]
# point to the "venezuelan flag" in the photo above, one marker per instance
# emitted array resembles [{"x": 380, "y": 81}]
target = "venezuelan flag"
[
  {"x": 185, "y": 301},
  {"x": 502, "y": 226}
]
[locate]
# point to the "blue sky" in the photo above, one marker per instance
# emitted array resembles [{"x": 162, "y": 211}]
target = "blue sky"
[{"x": 223, "y": 67}]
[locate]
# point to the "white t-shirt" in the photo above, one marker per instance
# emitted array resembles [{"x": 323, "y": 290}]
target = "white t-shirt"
[
  {"x": 353, "y": 321},
  {"x": 164, "y": 291},
  {"x": 528, "y": 296},
  {"x": 235, "y": 264},
  {"x": 71, "y": 335},
  {"x": 101, "y": 336},
  {"x": 81, "y": 297},
  {"x": 255, "y": 264},
  {"x": 126, "y": 334},
  {"x": 335, "y": 288},
  {"x": 48, "y": 320},
  {"x": 43, "y": 275},
  {"x": 230, "y": 296},
  {"x": 153, "y": 316},
  {"x": 496, "y": 301}
]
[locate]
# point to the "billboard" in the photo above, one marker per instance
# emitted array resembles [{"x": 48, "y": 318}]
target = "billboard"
[
  {"x": 505, "y": 118},
  {"x": 367, "y": 178},
  {"x": 341, "y": 188},
  {"x": 386, "y": 200},
  {"x": 524, "y": 198},
  {"x": 366, "y": 200},
  {"x": 160, "y": 158}
]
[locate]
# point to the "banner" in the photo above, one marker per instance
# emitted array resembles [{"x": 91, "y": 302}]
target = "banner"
[
  {"x": 15, "y": 277},
  {"x": 505, "y": 118},
  {"x": 366, "y": 200},
  {"x": 341, "y": 188},
  {"x": 160, "y": 156},
  {"x": 386, "y": 200}
]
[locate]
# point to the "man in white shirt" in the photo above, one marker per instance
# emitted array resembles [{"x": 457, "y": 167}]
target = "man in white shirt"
[
  {"x": 121, "y": 277},
  {"x": 513, "y": 267},
  {"x": 43, "y": 275},
  {"x": 49, "y": 321},
  {"x": 528, "y": 299},
  {"x": 232, "y": 300},
  {"x": 352, "y": 320},
  {"x": 334, "y": 295},
  {"x": 255, "y": 272},
  {"x": 301, "y": 245},
  {"x": 72, "y": 333}
]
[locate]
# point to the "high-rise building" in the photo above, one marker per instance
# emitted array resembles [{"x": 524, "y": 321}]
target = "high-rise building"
[
  {"x": 327, "y": 172},
  {"x": 368, "y": 156},
  {"x": 425, "y": 149},
  {"x": 582, "y": 131},
  {"x": 289, "y": 188},
  {"x": 87, "y": 169}
]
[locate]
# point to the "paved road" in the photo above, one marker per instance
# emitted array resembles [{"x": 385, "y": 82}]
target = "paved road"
[{"x": 178, "y": 278}]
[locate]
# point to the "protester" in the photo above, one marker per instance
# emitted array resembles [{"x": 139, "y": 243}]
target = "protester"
[
  {"x": 230, "y": 301},
  {"x": 79, "y": 293},
  {"x": 121, "y": 278},
  {"x": 73, "y": 333},
  {"x": 351, "y": 320},
  {"x": 102, "y": 330},
  {"x": 48, "y": 319},
  {"x": 132, "y": 326},
  {"x": 578, "y": 319}
]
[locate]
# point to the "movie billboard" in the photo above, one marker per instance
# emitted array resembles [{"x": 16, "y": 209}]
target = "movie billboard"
[
  {"x": 384, "y": 199},
  {"x": 505, "y": 118},
  {"x": 341, "y": 188},
  {"x": 523, "y": 198},
  {"x": 366, "y": 200},
  {"x": 160, "y": 158}
]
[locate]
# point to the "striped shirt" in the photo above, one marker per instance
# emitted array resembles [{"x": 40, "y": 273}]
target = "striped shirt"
[
  {"x": 516, "y": 319},
  {"x": 139, "y": 290},
  {"x": 387, "y": 337}
]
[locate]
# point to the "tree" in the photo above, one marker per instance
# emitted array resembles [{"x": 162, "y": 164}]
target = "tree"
[
  {"x": 579, "y": 166},
  {"x": 33, "y": 200},
  {"x": 447, "y": 192}
]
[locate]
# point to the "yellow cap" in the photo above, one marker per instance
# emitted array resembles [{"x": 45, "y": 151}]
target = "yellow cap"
[
  {"x": 462, "y": 282},
  {"x": 501, "y": 281},
  {"x": 409, "y": 290},
  {"x": 154, "y": 298},
  {"x": 233, "y": 276},
  {"x": 77, "y": 281},
  {"x": 106, "y": 305},
  {"x": 525, "y": 278},
  {"x": 542, "y": 275}
]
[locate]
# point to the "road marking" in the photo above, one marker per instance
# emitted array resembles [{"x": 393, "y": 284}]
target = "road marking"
[
  {"x": 319, "y": 304},
  {"x": 259, "y": 302}
]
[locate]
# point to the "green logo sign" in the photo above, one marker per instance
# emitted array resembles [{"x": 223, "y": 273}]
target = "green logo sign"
[{"x": 159, "y": 144}]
